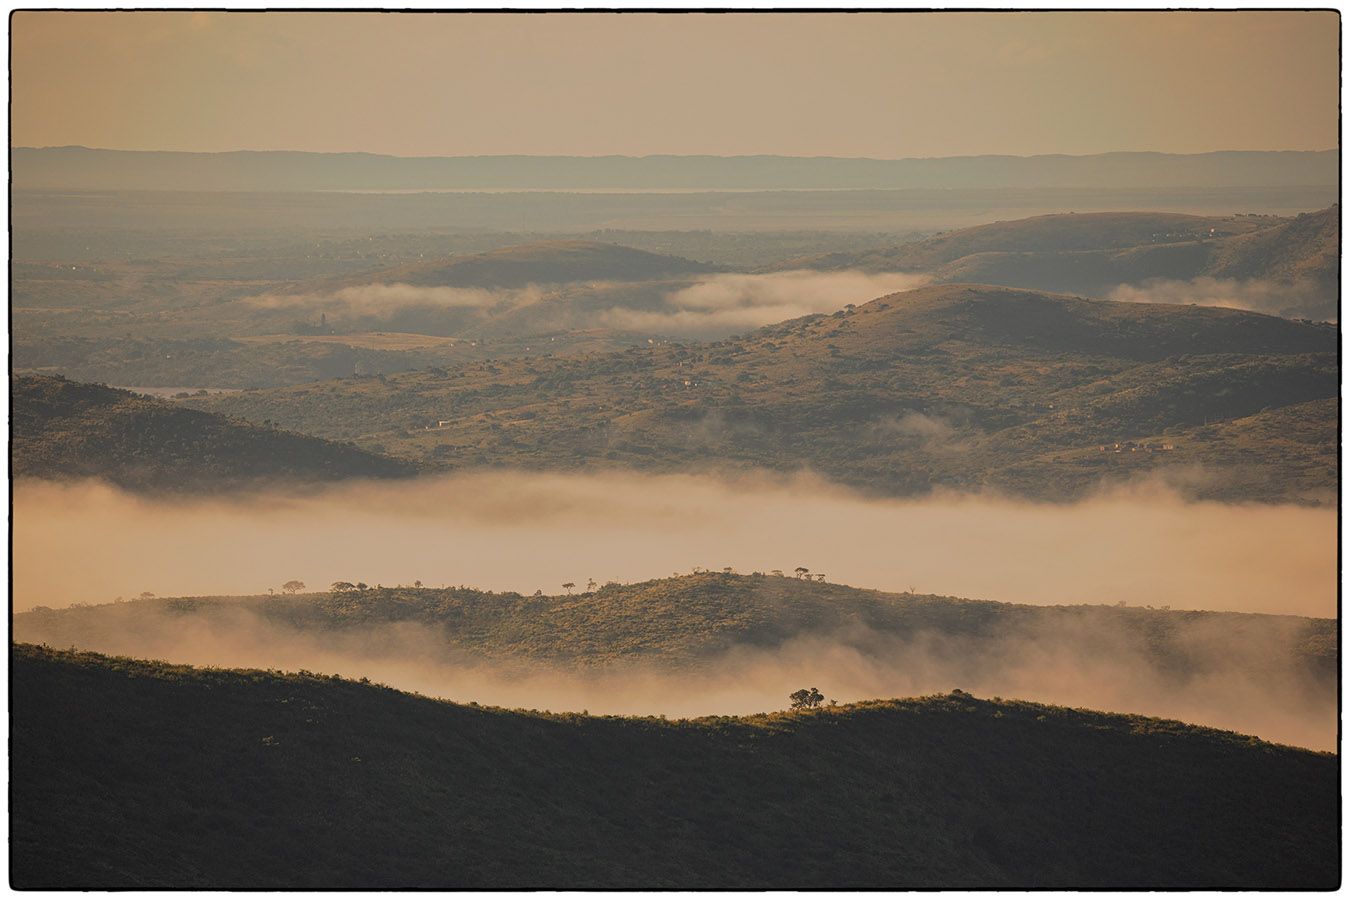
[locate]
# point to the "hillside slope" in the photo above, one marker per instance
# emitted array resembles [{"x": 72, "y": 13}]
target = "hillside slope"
[
  {"x": 133, "y": 775},
  {"x": 965, "y": 386},
  {"x": 523, "y": 294},
  {"x": 544, "y": 262},
  {"x": 718, "y": 642},
  {"x": 687, "y": 621},
  {"x": 64, "y": 429},
  {"x": 1095, "y": 253},
  {"x": 1038, "y": 234}
]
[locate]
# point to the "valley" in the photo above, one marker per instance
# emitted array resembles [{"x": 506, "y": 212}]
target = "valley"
[{"x": 736, "y": 450}]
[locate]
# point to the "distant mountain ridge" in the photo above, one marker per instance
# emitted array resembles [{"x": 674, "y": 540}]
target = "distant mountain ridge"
[{"x": 83, "y": 168}]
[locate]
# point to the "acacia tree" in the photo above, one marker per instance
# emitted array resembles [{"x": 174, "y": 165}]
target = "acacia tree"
[
  {"x": 801, "y": 571},
  {"x": 568, "y": 585},
  {"x": 339, "y": 587},
  {"x": 806, "y": 698},
  {"x": 291, "y": 587}
]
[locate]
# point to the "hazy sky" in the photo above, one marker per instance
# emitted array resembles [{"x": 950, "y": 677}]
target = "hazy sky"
[{"x": 879, "y": 85}]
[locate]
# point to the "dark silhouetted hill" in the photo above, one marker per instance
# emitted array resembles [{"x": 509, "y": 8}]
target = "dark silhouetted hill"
[{"x": 128, "y": 774}]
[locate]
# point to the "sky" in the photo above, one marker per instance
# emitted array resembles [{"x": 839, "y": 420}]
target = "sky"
[{"x": 881, "y": 85}]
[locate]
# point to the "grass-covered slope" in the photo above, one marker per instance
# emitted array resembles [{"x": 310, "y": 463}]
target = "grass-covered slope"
[
  {"x": 64, "y": 429},
  {"x": 132, "y": 774},
  {"x": 726, "y": 643},
  {"x": 1093, "y": 253},
  {"x": 964, "y": 386},
  {"x": 693, "y": 619},
  {"x": 1038, "y": 234},
  {"x": 544, "y": 262}
]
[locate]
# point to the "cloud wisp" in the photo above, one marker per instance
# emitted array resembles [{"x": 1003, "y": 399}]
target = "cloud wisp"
[
  {"x": 1299, "y": 299},
  {"x": 724, "y": 304}
]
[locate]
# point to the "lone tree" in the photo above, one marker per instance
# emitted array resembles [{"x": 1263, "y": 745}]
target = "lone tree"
[
  {"x": 801, "y": 571},
  {"x": 291, "y": 587},
  {"x": 567, "y": 586},
  {"x": 806, "y": 698}
]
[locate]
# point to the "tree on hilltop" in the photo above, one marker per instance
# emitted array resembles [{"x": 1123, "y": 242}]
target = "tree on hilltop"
[{"x": 806, "y": 698}]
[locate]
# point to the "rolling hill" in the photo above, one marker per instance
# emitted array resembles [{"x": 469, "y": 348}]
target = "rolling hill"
[
  {"x": 961, "y": 386},
  {"x": 623, "y": 647},
  {"x": 524, "y": 294},
  {"x": 1096, "y": 253},
  {"x": 688, "y": 621},
  {"x": 543, "y": 262},
  {"x": 64, "y": 429},
  {"x": 1038, "y": 234},
  {"x": 128, "y": 774}
]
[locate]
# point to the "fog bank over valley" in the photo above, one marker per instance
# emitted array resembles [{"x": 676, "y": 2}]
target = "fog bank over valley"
[{"x": 526, "y": 531}]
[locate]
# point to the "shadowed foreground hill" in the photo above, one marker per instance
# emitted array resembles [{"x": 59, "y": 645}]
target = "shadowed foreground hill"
[
  {"x": 957, "y": 386},
  {"x": 132, "y": 774},
  {"x": 65, "y": 429}
]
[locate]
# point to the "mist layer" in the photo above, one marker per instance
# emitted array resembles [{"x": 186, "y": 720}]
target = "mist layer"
[{"x": 88, "y": 542}]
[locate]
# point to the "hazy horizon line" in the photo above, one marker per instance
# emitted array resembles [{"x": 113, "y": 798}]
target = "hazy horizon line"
[{"x": 647, "y": 156}]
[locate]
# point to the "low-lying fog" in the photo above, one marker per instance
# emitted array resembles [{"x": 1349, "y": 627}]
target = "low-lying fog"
[
  {"x": 1254, "y": 680},
  {"x": 91, "y": 543}
]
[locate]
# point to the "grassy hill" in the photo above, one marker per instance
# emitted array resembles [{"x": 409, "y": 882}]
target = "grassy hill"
[
  {"x": 1093, "y": 253},
  {"x": 132, "y": 774},
  {"x": 528, "y": 294},
  {"x": 64, "y": 429},
  {"x": 542, "y": 262},
  {"x": 1038, "y": 234},
  {"x": 688, "y": 621},
  {"x": 717, "y": 642},
  {"x": 964, "y": 386}
]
